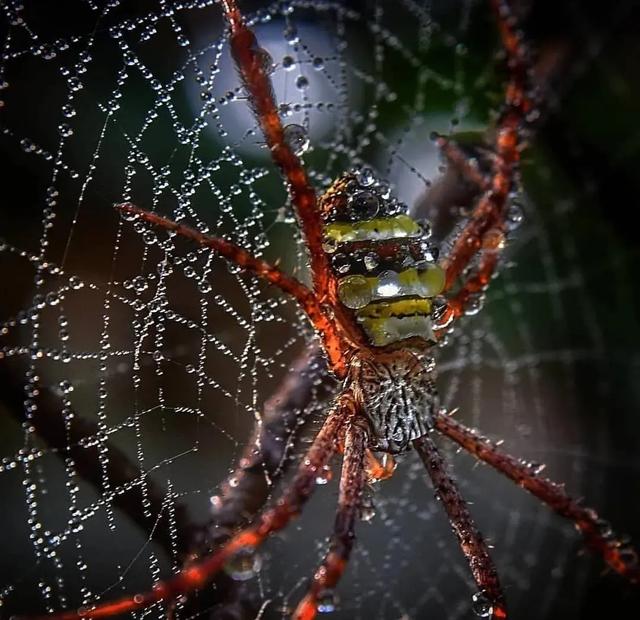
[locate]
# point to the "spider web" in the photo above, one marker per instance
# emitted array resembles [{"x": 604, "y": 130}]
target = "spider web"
[{"x": 134, "y": 366}]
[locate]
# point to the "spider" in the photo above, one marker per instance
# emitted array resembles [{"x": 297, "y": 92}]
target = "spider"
[{"x": 378, "y": 308}]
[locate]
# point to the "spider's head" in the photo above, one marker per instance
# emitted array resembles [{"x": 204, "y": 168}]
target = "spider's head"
[{"x": 382, "y": 259}]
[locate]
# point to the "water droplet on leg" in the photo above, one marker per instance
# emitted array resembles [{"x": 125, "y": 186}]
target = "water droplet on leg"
[
  {"x": 296, "y": 138},
  {"x": 481, "y": 605},
  {"x": 515, "y": 215},
  {"x": 324, "y": 475},
  {"x": 367, "y": 511},
  {"x": 265, "y": 61},
  {"x": 327, "y": 602},
  {"x": 244, "y": 564}
]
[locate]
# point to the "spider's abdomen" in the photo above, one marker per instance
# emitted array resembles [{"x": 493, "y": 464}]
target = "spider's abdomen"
[{"x": 384, "y": 264}]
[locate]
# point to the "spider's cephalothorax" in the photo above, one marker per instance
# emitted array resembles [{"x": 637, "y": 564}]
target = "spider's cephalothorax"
[
  {"x": 382, "y": 259},
  {"x": 397, "y": 394}
]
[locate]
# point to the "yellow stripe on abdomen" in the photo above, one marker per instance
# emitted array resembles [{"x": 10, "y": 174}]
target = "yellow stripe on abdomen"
[
  {"x": 388, "y": 309},
  {"x": 382, "y": 332},
  {"x": 375, "y": 229}
]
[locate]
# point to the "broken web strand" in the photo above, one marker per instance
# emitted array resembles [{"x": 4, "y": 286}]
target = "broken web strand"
[
  {"x": 201, "y": 571},
  {"x": 598, "y": 534}
]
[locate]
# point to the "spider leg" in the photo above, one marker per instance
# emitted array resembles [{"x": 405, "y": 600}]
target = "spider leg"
[
  {"x": 467, "y": 167},
  {"x": 197, "y": 574},
  {"x": 234, "y": 254},
  {"x": 352, "y": 483},
  {"x": 489, "y": 213},
  {"x": 308, "y": 302},
  {"x": 475, "y": 284},
  {"x": 471, "y": 541},
  {"x": 618, "y": 554},
  {"x": 264, "y": 460},
  {"x": 249, "y": 59}
]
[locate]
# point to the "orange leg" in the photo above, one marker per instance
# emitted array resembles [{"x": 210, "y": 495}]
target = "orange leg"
[
  {"x": 490, "y": 211},
  {"x": 490, "y": 596},
  {"x": 197, "y": 574},
  {"x": 333, "y": 343},
  {"x": 264, "y": 459},
  {"x": 476, "y": 284},
  {"x": 249, "y": 59},
  {"x": 351, "y": 486},
  {"x": 468, "y": 168},
  {"x": 597, "y": 533}
]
